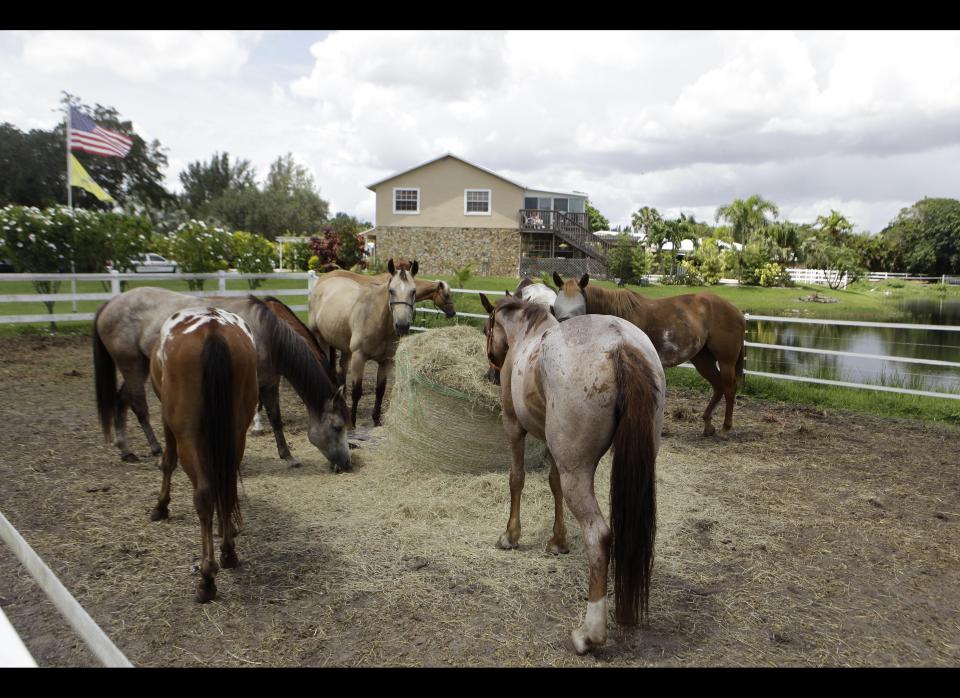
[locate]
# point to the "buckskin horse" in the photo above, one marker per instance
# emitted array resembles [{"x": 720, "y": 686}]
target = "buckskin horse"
[
  {"x": 582, "y": 386},
  {"x": 127, "y": 328},
  {"x": 204, "y": 370},
  {"x": 701, "y": 328},
  {"x": 364, "y": 321}
]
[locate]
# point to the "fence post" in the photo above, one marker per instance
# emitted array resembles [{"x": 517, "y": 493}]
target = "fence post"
[
  {"x": 115, "y": 282},
  {"x": 73, "y": 290},
  {"x": 221, "y": 281},
  {"x": 311, "y": 280}
]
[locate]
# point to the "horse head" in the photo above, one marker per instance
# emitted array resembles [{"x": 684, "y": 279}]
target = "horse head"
[
  {"x": 329, "y": 433},
  {"x": 443, "y": 299},
  {"x": 402, "y": 294},
  {"x": 571, "y": 298}
]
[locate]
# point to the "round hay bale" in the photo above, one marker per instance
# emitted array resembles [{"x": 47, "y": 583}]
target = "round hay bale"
[{"x": 443, "y": 411}]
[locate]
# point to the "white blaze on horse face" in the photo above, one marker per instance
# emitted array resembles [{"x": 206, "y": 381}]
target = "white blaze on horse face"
[{"x": 195, "y": 318}]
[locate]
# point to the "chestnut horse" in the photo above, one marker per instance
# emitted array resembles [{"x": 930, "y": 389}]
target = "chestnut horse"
[
  {"x": 583, "y": 386},
  {"x": 204, "y": 370},
  {"x": 701, "y": 328},
  {"x": 364, "y": 321}
]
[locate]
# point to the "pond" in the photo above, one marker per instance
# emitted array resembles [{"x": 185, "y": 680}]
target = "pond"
[{"x": 920, "y": 344}]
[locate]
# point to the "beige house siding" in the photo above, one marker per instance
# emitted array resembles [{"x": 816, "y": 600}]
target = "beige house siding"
[
  {"x": 441, "y": 250},
  {"x": 442, "y": 184}
]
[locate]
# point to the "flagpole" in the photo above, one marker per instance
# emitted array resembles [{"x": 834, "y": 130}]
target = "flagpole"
[{"x": 73, "y": 241}]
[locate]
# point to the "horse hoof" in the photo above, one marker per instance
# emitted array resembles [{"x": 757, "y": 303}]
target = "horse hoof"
[
  {"x": 377, "y": 422},
  {"x": 557, "y": 548},
  {"x": 158, "y": 514},
  {"x": 130, "y": 458},
  {"x": 582, "y": 643},
  {"x": 294, "y": 463},
  {"x": 334, "y": 468},
  {"x": 229, "y": 561},
  {"x": 709, "y": 430},
  {"x": 156, "y": 450},
  {"x": 257, "y": 431},
  {"x": 206, "y": 592},
  {"x": 504, "y": 543}
]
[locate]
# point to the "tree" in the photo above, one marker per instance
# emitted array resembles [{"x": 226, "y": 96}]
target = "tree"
[
  {"x": 205, "y": 182},
  {"x": 597, "y": 220},
  {"x": 620, "y": 260},
  {"x": 928, "y": 234},
  {"x": 33, "y": 167},
  {"x": 746, "y": 216},
  {"x": 252, "y": 254},
  {"x": 650, "y": 224},
  {"x": 200, "y": 248}
]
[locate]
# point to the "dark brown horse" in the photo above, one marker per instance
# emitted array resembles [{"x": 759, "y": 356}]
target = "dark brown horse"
[
  {"x": 698, "y": 327},
  {"x": 204, "y": 370}
]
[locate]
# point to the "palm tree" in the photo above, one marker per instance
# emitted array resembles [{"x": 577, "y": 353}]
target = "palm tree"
[
  {"x": 836, "y": 227},
  {"x": 746, "y": 216},
  {"x": 649, "y": 222}
]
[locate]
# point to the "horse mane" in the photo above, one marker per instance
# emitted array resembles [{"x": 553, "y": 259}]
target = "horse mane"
[
  {"x": 527, "y": 281},
  {"x": 623, "y": 303},
  {"x": 306, "y": 333},
  {"x": 293, "y": 358},
  {"x": 532, "y": 313}
]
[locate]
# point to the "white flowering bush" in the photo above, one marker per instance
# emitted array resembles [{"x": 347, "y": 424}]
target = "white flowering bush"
[
  {"x": 200, "y": 248},
  {"x": 252, "y": 254}
]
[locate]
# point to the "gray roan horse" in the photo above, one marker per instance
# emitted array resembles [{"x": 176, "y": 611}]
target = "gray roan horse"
[
  {"x": 583, "y": 386},
  {"x": 128, "y": 326},
  {"x": 364, "y": 321},
  {"x": 702, "y": 328}
]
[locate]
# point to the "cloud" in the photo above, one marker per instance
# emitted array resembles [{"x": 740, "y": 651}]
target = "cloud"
[{"x": 139, "y": 55}]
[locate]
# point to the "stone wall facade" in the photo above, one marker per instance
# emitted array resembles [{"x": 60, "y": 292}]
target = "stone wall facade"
[{"x": 492, "y": 251}]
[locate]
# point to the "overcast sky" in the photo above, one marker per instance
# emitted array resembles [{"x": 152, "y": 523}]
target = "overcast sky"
[{"x": 863, "y": 122}]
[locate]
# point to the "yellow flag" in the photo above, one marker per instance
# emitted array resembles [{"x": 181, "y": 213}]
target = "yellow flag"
[{"x": 80, "y": 178}]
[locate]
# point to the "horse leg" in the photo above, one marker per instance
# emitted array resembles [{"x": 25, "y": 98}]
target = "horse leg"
[
  {"x": 728, "y": 374},
  {"x": 168, "y": 465},
  {"x": 355, "y": 374},
  {"x": 228, "y": 550},
  {"x": 120, "y": 426},
  {"x": 341, "y": 372},
  {"x": 138, "y": 402},
  {"x": 509, "y": 539},
  {"x": 270, "y": 398},
  {"x": 706, "y": 365},
  {"x": 257, "y": 428},
  {"x": 383, "y": 370},
  {"x": 558, "y": 544},
  {"x": 203, "y": 501},
  {"x": 578, "y": 491}
]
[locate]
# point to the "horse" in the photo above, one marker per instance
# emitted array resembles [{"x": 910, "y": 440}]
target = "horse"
[
  {"x": 204, "y": 371},
  {"x": 364, "y": 321},
  {"x": 529, "y": 290},
  {"x": 438, "y": 292},
  {"x": 699, "y": 327},
  {"x": 127, "y": 327},
  {"x": 582, "y": 386}
]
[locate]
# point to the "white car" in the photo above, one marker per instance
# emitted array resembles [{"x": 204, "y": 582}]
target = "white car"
[{"x": 152, "y": 262}]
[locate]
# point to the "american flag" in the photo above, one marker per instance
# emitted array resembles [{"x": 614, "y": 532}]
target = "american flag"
[{"x": 87, "y": 136}]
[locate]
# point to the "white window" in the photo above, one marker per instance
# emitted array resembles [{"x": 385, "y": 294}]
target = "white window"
[
  {"x": 406, "y": 201},
  {"x": 476, "y": 202}
]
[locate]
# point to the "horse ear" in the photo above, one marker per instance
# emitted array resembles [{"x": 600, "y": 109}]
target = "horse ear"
[
  {"x": 584, "y": 280},
  {"x": 558, "y": 280},
  {"x": 486, "y": 303},
  {"x": 390, "y": 268},
  {"x": 415, "y": 268}
]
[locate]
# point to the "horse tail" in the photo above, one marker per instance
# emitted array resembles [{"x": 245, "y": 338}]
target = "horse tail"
[
  {"x": 105, "y": 379},
  {"x": 633, "y": 514},
  {"x": 217, "y": 434},
  {"x": 741, "y": 360}
]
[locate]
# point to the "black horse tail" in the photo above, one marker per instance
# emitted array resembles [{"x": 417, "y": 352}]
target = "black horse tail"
[
  {"x": 105, "y": 380},
  {"x": 741, "y": 360},
  {"x": 633, "y": 504},
  {"x": 217, "y": 435}
]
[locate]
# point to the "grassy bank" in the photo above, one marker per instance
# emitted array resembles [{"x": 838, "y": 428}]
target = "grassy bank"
[{"x": 830, "y": 397}]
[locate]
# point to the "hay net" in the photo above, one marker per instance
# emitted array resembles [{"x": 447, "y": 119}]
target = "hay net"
[{"x": 443, "y": 411}]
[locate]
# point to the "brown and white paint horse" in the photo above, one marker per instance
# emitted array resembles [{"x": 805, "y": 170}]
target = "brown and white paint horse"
[
  {"x": 204, "y": 370},
  {"x": 584, "y": 386},
  {"x": 127, "y": 328},
  {"x": 365, "y": 322},
  {"x": 701, "y": 328}
]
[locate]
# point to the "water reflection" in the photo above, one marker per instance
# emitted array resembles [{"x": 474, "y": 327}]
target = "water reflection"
[{"x": 925, "y": 344}]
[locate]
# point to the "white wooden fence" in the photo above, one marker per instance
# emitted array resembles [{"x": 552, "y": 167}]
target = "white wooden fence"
[{"x": 310, "y": 277}]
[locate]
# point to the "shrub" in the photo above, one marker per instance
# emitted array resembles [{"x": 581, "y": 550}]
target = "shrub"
[
  {"x": 774, "y": 274},
  {"x": 200, "y": 248},
  {"x": 313, "y": 263},
  {"x": 252, "y": 254}
]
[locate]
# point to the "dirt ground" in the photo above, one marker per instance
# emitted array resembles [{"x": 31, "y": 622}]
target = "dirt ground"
[{"x": 804, "y": 539}]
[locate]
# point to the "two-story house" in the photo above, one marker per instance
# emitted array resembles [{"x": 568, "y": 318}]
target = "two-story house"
[{"x": 448, "y": 213}]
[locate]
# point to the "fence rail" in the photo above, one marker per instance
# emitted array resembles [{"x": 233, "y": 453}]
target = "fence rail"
[{"x": 310, "y": 278}]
